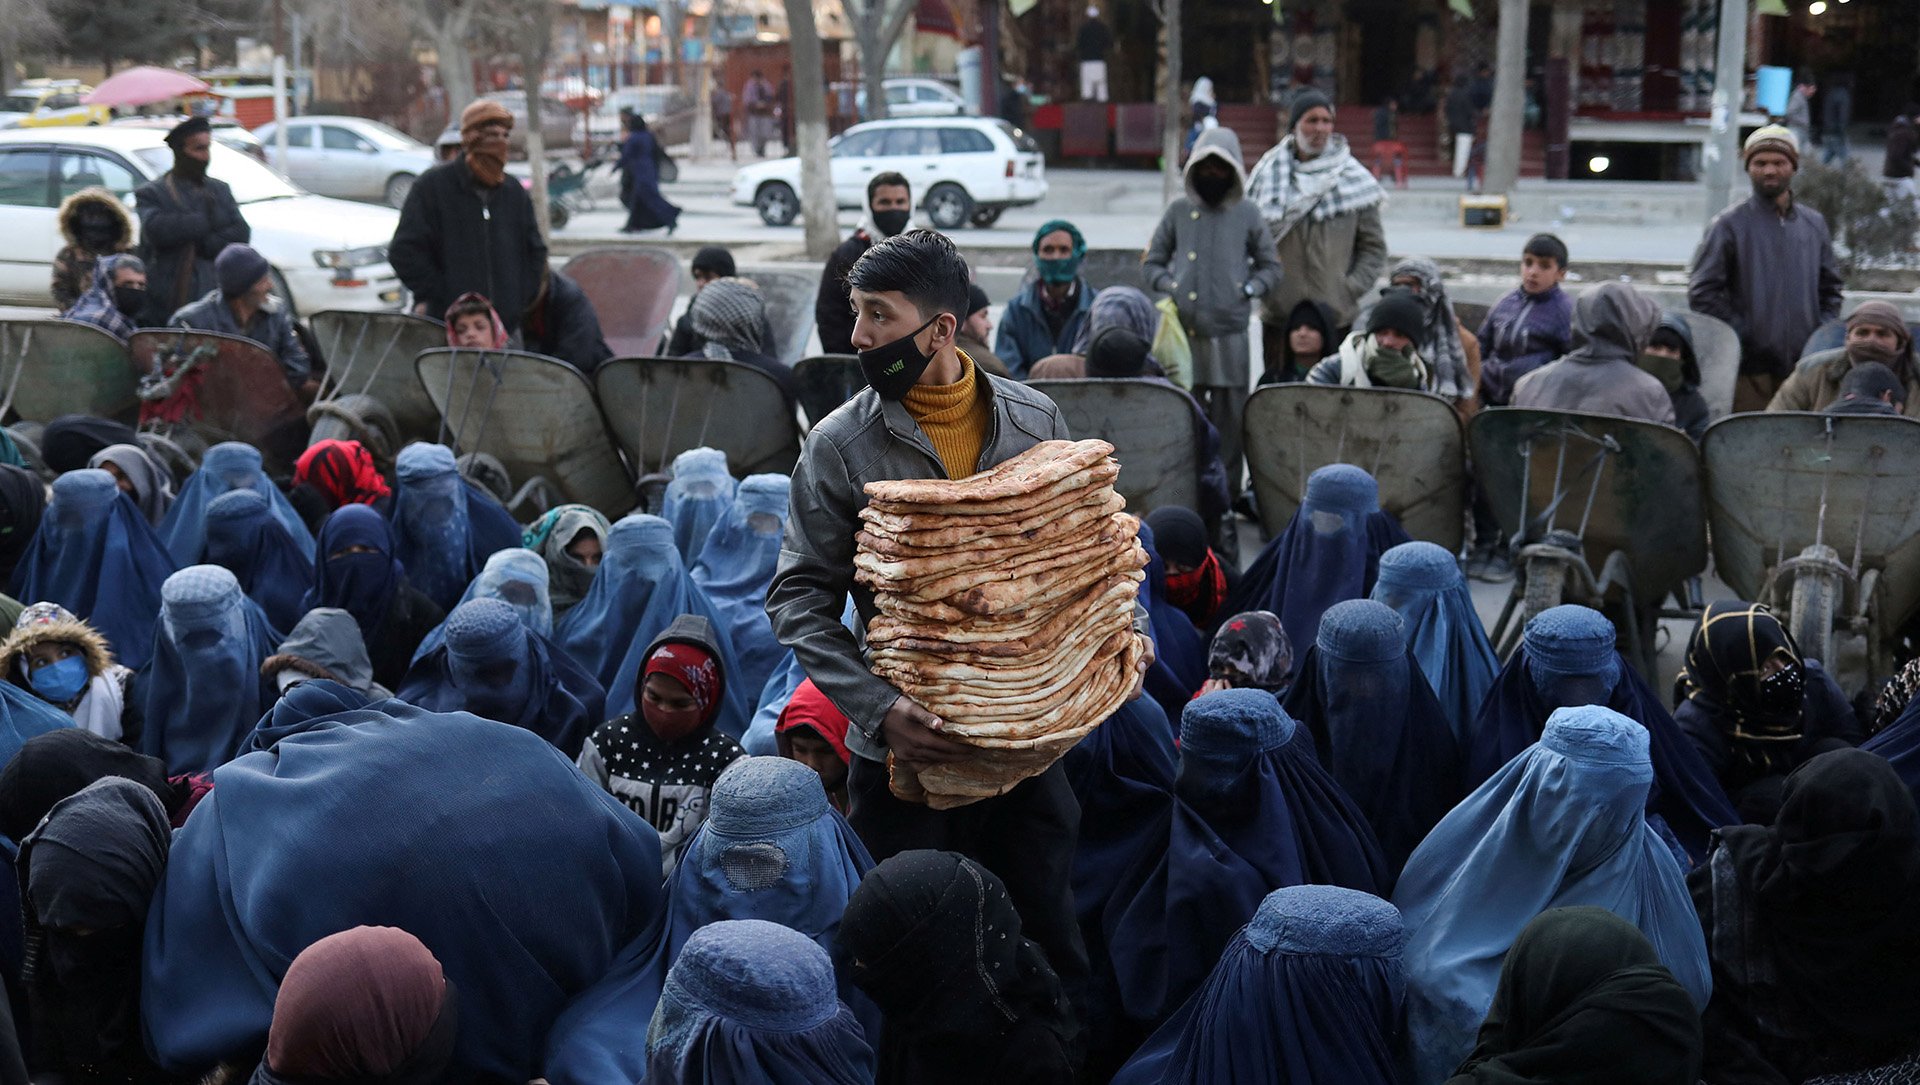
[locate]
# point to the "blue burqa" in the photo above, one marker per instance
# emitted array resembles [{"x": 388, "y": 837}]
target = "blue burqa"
[
  {"x": 1179, "y": 648},
  {"x": 1311, "y": 991},
  {"x": 202, "y": 692},
  {"x": 639, "y": 589},
  {"x": 1899, "y": 743},
  {"x": 1567, "y": 658},
  {"x": 771, "y": 849},
  {"x": 243, "y": 537},
  {"x": 1253, "y": 811},
  {"x": 753, "y": 1002},
  {"x": 22, "y": 716},
  {"x": 379, "y": 816},
  {"x": 697, "y": 498},
  {"x": 517, "y": 577},
  {"x": 492, "y": 665},
  {"x": 230, "y": 465},
  {"x": 95, "y": 555},
  {"x": 444, "y": 527},
  {"x": 1423, "y": 582},
  {"x": 1329, "y": 553},
  {"x": 735, "y": 567},
  {"x": 362, "y": 584},
  {"x": 1562, "y": 824},
  {"x": 1376, "y": 725}
]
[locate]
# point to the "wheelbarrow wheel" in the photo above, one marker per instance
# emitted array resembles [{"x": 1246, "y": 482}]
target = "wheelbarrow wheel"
[
  {"x": 1546, "y": 583},
  {"x": 1810, "y": 615}
]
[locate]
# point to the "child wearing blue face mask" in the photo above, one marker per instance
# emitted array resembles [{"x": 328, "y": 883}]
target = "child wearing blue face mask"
[{"x": 67, "y": 663}]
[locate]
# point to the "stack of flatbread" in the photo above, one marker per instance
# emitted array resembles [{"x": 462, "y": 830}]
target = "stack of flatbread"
[{"x": 1006, "y": 606}]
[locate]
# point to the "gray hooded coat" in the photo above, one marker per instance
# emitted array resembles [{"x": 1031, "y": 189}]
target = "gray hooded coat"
[
  {"x": 1209, "y": 258},
  {"x": 326, "y": 643},
  {"x": 1612, "y": 324}
]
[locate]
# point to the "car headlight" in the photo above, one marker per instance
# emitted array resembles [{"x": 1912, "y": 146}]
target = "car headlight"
[{"x": 344, "y": 259}]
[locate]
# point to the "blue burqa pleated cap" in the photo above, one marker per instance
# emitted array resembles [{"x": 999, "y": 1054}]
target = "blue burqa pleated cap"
[
  {"x": 1229, "y": 726},
  {"x": 765, "y": 796},
  {"x": 1327, "y": 919},
  {"x": 1342, "y": 487},
  {"x": 1419, "y": 566},
  {"x": 484, "y": 629},
  {"x": 1362, "y": 631},
  {"x": 199, "y": 597},
  {"x": 1570, "y": 641}
]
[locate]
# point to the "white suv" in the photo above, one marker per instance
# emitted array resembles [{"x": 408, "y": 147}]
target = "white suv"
[{"x": 962, "y": 170}]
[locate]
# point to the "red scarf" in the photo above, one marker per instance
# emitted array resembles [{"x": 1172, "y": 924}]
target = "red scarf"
[
  {"x": 1200, "y": 591},
  {"x": 341, "y": 470}
]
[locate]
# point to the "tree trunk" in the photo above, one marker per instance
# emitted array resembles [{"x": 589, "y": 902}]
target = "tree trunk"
[
  {"x": 1504, "y": 132},
  {"x": 1171, "y": 127},
  {"x": 703, "y": 95},
  {"x": 873, "y": 62},
  {"x": 454, "y": 61},
  {"x": 809, "y": 84},
  {"x": 535, "y": 44}
]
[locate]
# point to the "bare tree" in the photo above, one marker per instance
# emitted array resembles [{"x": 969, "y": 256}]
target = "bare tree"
[
  {"x": 450, "y": 25},
  {"x": 877, "y": 26},
  {"x": 809, "y": 84},
  {"x": 528, "y": 25},
  {"x": 24, "y": 25},
  {"x": 1171, "y": 127}
]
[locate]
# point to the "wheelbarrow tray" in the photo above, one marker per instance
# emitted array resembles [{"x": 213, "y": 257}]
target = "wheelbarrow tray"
[
  {"x": 53, "y": 367},
  {"x": 535, "y": 414},
  {"x": 789, "y": 297},
  {"x": 826, "y": 381},
  {"x": 1151, "y": 426},
  {"x": 372, "y": 354},
  {"x": 1766, "y": 475},
  {"x": 1716, "y": 347},
  {"x": 658, "y": 408},
  {"x": 633, "y": 289},
  {"x": 1410, "y": 442},
  {"x": 243, "y": 397},
  {"x": 1648, "y": 503}
]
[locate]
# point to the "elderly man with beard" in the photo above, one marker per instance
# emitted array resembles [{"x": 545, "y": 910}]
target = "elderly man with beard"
[
  {"x": 1876, "y": 332},
  {"x": 468, "y": 227},
  {"x": 1323, "y": 208},
  {"x": 1766, "y": 267},
  {"x": 186, "y": 219}
]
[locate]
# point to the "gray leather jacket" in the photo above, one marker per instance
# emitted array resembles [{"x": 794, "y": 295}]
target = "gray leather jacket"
[{"x": 868, "y": 440}]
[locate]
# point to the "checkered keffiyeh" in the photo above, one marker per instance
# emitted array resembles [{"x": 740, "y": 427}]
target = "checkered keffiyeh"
[
  {"x": 728, "y": 314},
  {"x": 1287, "y": 190}
]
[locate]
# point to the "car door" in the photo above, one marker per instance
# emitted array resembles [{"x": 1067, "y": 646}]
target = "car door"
[
  {"x": 303, "y": 159},
  {"x": 347, "y": 162},
  {"x": 967, "y": 156},
  {"x": 855, "y": 160},
  {"x": 914, "y": 152},
  {"x": 30, "y": 224}
]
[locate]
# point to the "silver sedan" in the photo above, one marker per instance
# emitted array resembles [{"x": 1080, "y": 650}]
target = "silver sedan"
[{"x": 349, "y": 157}]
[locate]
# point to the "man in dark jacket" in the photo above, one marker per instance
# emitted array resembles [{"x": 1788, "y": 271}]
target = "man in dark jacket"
[
  {"x": 561, "y": 323},
  {"x": 1046, "y": 316},
  {"x": 1766, "y": 267},
  {"x": 469, "y": 227},
  {"x": 889, "y": 208},
  {"x": 244, "y": 304},
  {"x": 186, "y": 218}
]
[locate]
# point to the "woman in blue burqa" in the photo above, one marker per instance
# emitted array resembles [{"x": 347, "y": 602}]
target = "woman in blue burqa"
[
  {"x": 444, "y": 527},
  {"x": 772, "y": 849},
  {"x": 358, "y": 573},
  {"x": 371, "y": 816},
  {"x": 490, "y": 664},
  {"x": 518, "y": 578},
  {"x": 735, "y": 567},
  {"x": 1424, "y": 583},
  {"x": 95, "y": 555},
  {"x": 639, "y": 166},
  {"x": 697, "y": 497},
  {"x": 244, "y": 538},
  {"x": 202, "y": 692},
  {"x": 639, "y": 589},
  {"x": 230, "y": 465},
  {"x": 1562, "y": 824}
]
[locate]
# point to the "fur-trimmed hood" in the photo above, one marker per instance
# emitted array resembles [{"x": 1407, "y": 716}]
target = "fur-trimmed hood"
[
  {"x": 66, "y": 630},
  {"x": 96, "y": 196}
]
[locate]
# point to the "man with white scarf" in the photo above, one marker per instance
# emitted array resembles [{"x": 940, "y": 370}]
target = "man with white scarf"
[{"x": 1323, "y": 208}]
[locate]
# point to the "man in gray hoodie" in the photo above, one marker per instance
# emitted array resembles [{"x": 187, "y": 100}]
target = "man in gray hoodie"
[
  {"x": 1613, "y": 323},
  {"x": 1212, "y": 252}
]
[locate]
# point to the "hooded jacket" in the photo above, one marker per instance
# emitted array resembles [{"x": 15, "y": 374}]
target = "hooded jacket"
[
  {"x": 1815, "y": 383},
  {"x": 1209, "y": 258},
  {"x": 668, "y": 784},
  {"x": 1612, "y": 323},
  {"x": 1690, "y": 410},
  {"x": 73, "y": 264},
  {"x": 326, "y": 643},
  {"x": 102, "y": 706},
  {"x": 1288, "y": 369}
]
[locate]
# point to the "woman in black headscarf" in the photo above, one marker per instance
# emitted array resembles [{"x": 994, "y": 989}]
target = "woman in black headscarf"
[
  {"x": 72, "y": 439},
  {"x": 88, "y": 876},
  {"x": 1813, "y": 925},
  {"x": 23, "y": 498},
  {"x": 1197, "y": 580},
  {"x": 933, "y": 939},
  {"x": 62, "y": 763},
  {"x": 1584, "y": 1000}
]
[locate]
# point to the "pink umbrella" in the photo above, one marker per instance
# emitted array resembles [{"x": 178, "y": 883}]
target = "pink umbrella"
[{"x": 144, "y": 85}]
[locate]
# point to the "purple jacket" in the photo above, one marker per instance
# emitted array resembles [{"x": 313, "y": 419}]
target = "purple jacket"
[{"x": 1522, "y": 332}]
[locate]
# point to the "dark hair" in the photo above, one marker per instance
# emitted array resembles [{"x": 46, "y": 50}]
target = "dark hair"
[
  {"x": 923, "y": 265},
  {"x": 885, "y": 180},
  {"x": 715, "y": 260},
  {"x": 1549, "y": 246},
  {"x": 1668, "y": 336},
  {"x": 1871, "y": 380},
  {"x": 476, "y": 307}
]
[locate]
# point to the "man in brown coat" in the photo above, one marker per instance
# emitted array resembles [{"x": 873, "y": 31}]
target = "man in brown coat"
[{"x": 1876, "y": 332}]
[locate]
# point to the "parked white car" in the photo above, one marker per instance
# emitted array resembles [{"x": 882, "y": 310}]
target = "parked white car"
[
  {"x": 326, "y": 253},
  {"x": 349, "y": 157},
  {"x": 920, "y": 98},
  {"x": 962, "y": 170}
]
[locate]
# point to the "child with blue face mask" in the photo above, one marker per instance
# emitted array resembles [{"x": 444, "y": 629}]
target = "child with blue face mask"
[{"x": 67, "y": 663}]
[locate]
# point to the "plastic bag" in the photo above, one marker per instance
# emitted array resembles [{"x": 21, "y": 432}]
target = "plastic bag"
[{"x": 1170, "y": 347}]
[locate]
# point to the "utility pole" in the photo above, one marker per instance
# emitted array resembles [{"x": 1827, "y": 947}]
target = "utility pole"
[
  {"x": 1170, "y": 128},
  {"x": 1504, "y": 133},
  {"x": 1722, "y": 148}
]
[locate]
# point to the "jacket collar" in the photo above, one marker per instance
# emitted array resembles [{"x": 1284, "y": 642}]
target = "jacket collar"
[{"x": 900, "y": 423}]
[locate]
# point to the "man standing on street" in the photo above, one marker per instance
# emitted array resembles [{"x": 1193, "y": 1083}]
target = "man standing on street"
[
  {"x": 1092, "y": 45},
  {"x": 467, "y": 227},
  {"x": 889, "y": 208},
  {"x": 1766, "y": 267},
  {"x": 186, "y": 219},
  {"x": 757, "y": 96}
]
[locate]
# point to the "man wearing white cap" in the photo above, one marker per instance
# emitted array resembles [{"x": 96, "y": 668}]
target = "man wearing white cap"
[{"x": 1766, "y": 267}]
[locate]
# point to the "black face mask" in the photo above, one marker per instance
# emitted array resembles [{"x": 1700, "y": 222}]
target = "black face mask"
[
  {"x": 96, "y": 232},
  {"x": 130, "y": 300},
  {"x": 891, "y": 223},
  {"x": 893, "y": 368},
  {"x": 188, "y": 168},
  {"x": 1212, "y": 187}
]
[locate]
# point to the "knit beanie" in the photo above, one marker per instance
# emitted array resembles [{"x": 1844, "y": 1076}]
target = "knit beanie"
[
  {"x": 1399, "y": 310},
  {"x": 1882, "y": 314},
  {"x": 1772, "y": 137},
  {"x": 238, "y": 267},
  {"x": 1308, "y": 98}
]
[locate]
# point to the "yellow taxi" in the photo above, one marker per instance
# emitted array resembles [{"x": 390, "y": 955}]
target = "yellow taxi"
[{"x": 50, "y": 103}]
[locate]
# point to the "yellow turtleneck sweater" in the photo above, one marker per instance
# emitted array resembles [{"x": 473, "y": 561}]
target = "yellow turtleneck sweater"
[{"x": 954, "y": 418}]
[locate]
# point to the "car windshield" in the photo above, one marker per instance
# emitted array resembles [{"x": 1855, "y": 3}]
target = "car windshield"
[
  {"x": 250, "y": 179},
  {"x": 19, "y": 103}
]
